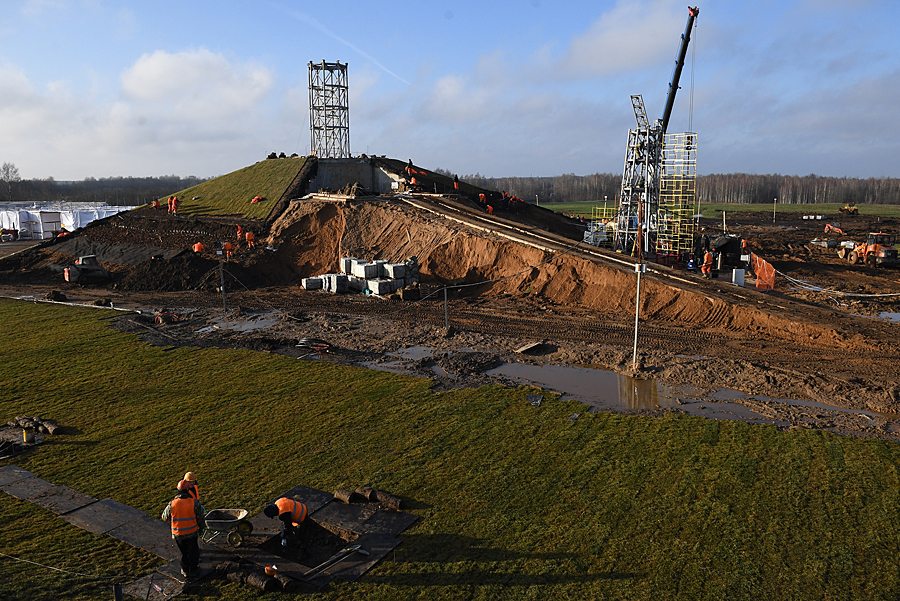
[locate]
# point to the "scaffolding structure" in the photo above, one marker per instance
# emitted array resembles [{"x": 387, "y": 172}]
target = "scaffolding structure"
[
  {"x": 329, "y": 110},
  {"x": 636, "y": 221},
  {"x": 677, "y": 198}
]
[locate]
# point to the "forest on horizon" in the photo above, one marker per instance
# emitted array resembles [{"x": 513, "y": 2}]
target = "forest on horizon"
[{"x": 738, "y": 188}]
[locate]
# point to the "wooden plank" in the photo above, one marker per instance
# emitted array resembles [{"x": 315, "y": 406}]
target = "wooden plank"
[
  {"x": 12, "y": 473},
  {"x": 345, "y": 517},
  {"x": 529, "y": 347},
  {"x": 149, "y": 534},
  {"x": 357, "y": 564},
  {"x": 103, "y": 516},
  {"x": 388, "y": 522},
  {"x": 63, "y": 499},
  {"x": 28, "y": 488}
]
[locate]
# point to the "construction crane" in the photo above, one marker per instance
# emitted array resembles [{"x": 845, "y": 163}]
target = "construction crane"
[{"x": 658, "y": 165}]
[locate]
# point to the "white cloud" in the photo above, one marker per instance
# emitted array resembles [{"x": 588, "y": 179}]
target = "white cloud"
[
  {"x": 37, "y": 8},
  {"x": 194, "y": 85},
  {"x": 631, "y": 36}
]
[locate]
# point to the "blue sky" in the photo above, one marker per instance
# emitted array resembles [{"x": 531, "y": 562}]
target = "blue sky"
[{"x": 98, "y": 88}]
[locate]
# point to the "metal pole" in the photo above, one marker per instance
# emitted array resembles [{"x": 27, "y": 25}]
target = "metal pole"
[
  {"x": 222, "y": 281},
  {"x": 639, "y": 267},
  {"x": 537, "y": 200},
  {"x": 446, "y": 311},
  {"x": 774, "y": 204}
]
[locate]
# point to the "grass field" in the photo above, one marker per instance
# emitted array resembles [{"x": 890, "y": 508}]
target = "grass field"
[
  {"x": 516, "y": 502},
  {"x": 584, "y": 209},
  {"x": 230, "y": 194}
]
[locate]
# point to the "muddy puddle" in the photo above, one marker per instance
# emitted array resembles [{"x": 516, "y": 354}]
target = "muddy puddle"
[{"x": 603, "y": 390}]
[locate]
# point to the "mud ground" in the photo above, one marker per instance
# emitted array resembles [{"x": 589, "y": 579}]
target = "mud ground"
[{"x": 826, "y": 346}]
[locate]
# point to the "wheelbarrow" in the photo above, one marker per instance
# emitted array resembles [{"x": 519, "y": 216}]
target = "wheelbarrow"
[{"x": 231, "y": 523}]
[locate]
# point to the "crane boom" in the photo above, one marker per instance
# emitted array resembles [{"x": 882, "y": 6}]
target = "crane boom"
[{"x": 679, "y": 64}]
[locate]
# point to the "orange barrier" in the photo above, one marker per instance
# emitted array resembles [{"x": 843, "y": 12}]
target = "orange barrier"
[{"x": 765, "y": 273}]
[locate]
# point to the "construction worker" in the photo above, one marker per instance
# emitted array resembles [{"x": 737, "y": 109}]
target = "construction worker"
[
  {"x": 188, "y": 522},
  {"x": 251, "y": 239},
  {"x": 291, "y": 513},
  {"x": 490, "y": 210},
  {"x": 156, "y": 204},
  {"x": 194, "y": 489},
  {"x": 706, "y": 269},
  {"x": 240, "y": 232},
  {"x": 198, "y": 248},
  {"x": 455, "y": 182},
  {"x": 227, "y": 247},
  {"x": 169, "y": 202},
  {"x": 175, "y": 202}
]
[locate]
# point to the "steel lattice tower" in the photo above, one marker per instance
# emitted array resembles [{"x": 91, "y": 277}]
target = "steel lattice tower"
[{"x": 329, "y": 110}]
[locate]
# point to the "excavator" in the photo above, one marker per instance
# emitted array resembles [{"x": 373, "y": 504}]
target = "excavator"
[{"x": 849, "y": 209}]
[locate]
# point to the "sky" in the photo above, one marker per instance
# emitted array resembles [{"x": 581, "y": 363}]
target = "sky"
[{"x": 105, "y": 88}]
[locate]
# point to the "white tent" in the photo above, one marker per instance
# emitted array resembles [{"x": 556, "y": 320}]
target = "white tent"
[{"x": 39, "y": 223}]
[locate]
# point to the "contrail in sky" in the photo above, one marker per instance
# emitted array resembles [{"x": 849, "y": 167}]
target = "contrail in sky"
[{"x": 311, "y": 21}]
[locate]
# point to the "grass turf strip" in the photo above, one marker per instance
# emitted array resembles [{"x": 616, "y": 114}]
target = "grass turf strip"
[{"x": 516, "y": 502}]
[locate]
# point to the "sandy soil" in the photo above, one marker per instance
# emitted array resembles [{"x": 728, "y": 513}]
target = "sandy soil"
[{"x": 788, "y": 344}]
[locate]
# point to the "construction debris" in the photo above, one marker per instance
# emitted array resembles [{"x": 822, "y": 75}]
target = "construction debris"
[{"x": 44, "y": 426}]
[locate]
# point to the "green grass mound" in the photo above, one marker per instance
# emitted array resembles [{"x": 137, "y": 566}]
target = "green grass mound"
[
  {"x": 516, "y": 502},
  {"x": 231, "y": 194}
]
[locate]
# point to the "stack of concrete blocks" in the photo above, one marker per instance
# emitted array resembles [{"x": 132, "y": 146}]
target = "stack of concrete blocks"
[
  {"x": 378, "y": 277},
  {"x": 335, "y": 283},
  {"x": 312, "y": 283}
]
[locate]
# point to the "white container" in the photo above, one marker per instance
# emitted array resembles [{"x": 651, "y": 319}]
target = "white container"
[
  {"x": 312, "y": 283},
  {"x": 737, "y": 277},
  {"x": 395, "y": 270},
  {"x": 379, "y": 286},
  {"x": 347, "y": 264}
]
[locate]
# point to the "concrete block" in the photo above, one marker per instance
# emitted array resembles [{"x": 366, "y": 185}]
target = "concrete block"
[
  {"x": 379, "y": 268},
  {"x": 356, "y": 284},
  {"x": 395, "y": 270},
  {"x": 347, "y": 264},
  {"x": 335, "y": 282},
  {"x": 311, "y": 283},
  {"x": 379, "y": 286}
]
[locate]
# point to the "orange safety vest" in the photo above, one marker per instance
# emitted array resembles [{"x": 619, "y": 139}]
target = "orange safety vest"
[
  {"x": 708, "y": 258},
  {"x": 297, "y": 510},
  {"x": 199, "y": 248},
  {"x": 184, "y": 520},
  {"x": 240, "y": 232}
]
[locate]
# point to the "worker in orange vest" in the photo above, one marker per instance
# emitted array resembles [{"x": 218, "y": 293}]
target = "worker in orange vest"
[
  {"x": 156, "y": 204},
  {"x": 455, "y": 182},
  {"x": 251, "y": 239},
  {"x": 169, "y": 202},
  {"x": 706, "y": 269},
  {"x": 490, "y": 210},
  {"x": 240, "y": 232},
  {"x": 291, "y": 513},
  {"x": 227, "y": 247},
  {"x": 194, "y": 489},
  {"x": 198, "y": 248},
  {"x": 175, "y": 202},
  {"x": 188, "y": 522}
]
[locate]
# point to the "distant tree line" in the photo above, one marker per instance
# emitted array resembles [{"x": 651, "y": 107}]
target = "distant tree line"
[
  {"x": 116, "y": 191},
  {"x": 715, "y": 188}
]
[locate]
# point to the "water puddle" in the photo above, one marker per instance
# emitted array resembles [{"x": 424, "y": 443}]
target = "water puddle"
[
  {"x": 889, "y": 316},
  {"x": 606, "y": 390}
]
